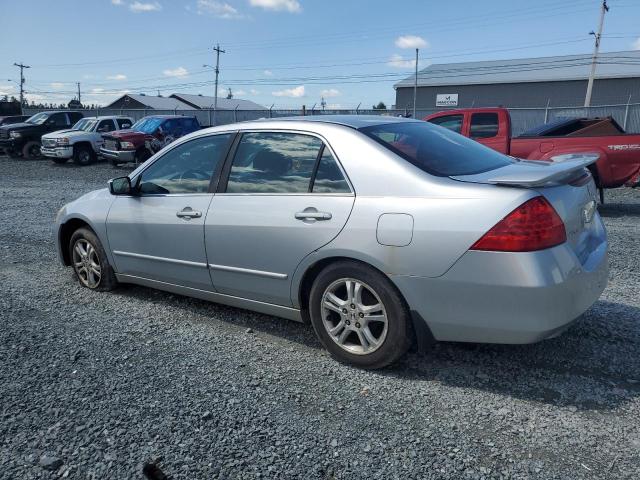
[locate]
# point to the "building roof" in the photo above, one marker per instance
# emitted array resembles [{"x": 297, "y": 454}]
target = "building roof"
[
  {"x": 157, "y": 103},
  {"x": 624, "y": 64},
  {"x": 203, "y": 101}
]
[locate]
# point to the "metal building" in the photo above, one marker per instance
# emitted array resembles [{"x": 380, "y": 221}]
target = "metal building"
[{"x": 526, "y": 82}]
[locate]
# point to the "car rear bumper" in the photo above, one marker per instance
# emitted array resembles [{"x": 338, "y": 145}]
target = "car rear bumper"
[
  {"x": 122, "y": 156},
  {"x": 497, "y": 297},
  {"x": 57, "y": 152}
]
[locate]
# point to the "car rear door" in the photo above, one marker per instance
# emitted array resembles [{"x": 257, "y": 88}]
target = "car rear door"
[
  {"x": 282, "y": 196},
  {"x": 158, "y": 233},
  {"x": 484, "y": 127}
]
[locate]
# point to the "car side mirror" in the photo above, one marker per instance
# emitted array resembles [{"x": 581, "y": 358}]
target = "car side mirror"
[{"x": 120, "y": 186}]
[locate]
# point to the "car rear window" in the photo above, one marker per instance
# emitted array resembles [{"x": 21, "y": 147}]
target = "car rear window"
[{"x": 436, "y": 150}]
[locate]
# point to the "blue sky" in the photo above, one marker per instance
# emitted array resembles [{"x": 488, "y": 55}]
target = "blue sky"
[{"x": 282, "y": 52}]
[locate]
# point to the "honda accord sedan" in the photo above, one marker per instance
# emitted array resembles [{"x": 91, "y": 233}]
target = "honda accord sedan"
[{"x": 381, "y": 232}]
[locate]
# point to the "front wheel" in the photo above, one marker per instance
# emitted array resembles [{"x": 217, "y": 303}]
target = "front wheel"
[
  {"x": 359, "y": 315},
  {"x": 83, "y": 155},
  {"x": 90, "y": 262},
  {"x": 31, "y": 150}
]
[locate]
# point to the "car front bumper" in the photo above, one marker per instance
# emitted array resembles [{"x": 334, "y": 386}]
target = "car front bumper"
[
  {"x": 57, "y": 152},
  {"x": 514, "y": 298},
  {"x": 122, "y": 156},
  {"x": 11, "y": 144}
]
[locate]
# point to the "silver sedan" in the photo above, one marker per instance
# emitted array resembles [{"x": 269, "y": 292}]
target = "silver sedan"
[{"x": 382, "y": 232}]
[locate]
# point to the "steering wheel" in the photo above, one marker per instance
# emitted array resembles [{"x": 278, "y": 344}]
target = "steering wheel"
[{"x": 194, "y": 175}]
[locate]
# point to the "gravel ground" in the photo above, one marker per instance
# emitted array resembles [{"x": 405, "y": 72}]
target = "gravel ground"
[{"x": 95, "y": 385}]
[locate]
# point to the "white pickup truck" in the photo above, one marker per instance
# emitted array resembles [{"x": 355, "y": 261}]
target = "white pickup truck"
[{"x": 83, "y": 141}]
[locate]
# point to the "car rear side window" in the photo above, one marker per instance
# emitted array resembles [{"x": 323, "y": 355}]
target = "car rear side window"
[
  {"x": 106, "y": 126},
  {"x": 329, "y": 177},
  {"x": 124, "y": 123},
  {"x": 450, "y": 122},
  {"x": 273, "y": 163},
  {"x": 187, "y": 168},
  {"x": 484, "y": 125},
  {"x": 436, "y": 151}
]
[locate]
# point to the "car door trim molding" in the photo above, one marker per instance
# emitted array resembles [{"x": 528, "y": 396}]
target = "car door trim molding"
[
  {"x": 159, "y": 259},
  {"x": 249, "y": 271},
  {"x": 254, "y": 305}
]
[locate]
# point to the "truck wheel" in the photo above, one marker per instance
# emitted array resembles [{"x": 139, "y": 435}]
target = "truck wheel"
[
  {"x": 31, "y": 150},
  {"x": 142, "y": 156},
  {"x": 60, "y": 161},
  {"x": 83, "y": 155},
  {"x": 114, "y": 162}
]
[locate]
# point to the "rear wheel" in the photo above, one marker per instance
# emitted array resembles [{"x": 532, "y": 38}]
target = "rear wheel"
[
  {"x": 89, "y": 261},
  {"x": 359, "y": 316},
  {"x": 83, "y": 155},
  {"x": 31, "y": 150}
]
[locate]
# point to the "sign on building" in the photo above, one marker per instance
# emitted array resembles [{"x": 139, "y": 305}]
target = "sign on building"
[{"x": 447, "y": 100}]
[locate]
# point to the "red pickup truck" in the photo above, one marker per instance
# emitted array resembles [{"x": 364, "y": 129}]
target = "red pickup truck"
[{"x": 619, "y": 162}]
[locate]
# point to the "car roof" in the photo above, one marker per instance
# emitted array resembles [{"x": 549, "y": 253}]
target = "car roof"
[{"x": 353, "y": 121}]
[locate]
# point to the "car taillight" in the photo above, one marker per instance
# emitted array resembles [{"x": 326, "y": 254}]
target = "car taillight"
[{"x": 534, "y": 225}]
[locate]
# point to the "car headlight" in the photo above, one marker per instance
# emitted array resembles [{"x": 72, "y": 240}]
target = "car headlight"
[
  {"x": 62, "y": 141},
  {"x": 15, "y": 134},
  {"x": 127, "y": 146}
]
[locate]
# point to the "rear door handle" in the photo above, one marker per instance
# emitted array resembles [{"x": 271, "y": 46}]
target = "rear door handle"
[
  {"x": 313, "y": 215},
  {"x": 188, "y": 213}
]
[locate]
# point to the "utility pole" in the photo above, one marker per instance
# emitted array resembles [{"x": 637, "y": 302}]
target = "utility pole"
[
  {"x": 603, "y": 9},
  {"x": 22, "y": 67},
  {"x": 415, "y": 86},
  {"x": 215, "y": 95},
  {"x": 79, "y": 99}
]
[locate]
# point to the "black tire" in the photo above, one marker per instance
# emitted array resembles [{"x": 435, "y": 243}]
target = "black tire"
[
  {"x": 83, "y": 155},
  {"x": 142, "y": 155},
  {"x": 59, "y": 161},
  {"x": 31, "y": 150},
  {"x": 399, "y": 334},
  {"x": 107, "y": 279},
  {"x": 114, "y": 162}
]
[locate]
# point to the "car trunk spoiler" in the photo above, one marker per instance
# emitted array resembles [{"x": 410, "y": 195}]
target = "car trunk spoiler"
[{"x": 531, "y": 174}]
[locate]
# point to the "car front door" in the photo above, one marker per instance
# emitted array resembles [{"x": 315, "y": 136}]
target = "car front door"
[
  {"x": 282, "y": 196},
  {"x": 57, "y": 121},
  {"x": 158, "y": 233}
]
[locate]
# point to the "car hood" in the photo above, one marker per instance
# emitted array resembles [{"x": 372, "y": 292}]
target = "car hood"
[
  {"x": 66, "y": 133},
  {"x": 126, "y": 134},
  {"x": 20, "y": 126}
]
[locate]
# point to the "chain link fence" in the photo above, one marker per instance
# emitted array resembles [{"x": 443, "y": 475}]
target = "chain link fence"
[{"x": 523, "y": 119}]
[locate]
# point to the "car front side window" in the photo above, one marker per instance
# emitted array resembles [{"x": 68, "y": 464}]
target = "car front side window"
[
  {"x": 187, "y": 168},
  {"x": 273, "y": 162}
]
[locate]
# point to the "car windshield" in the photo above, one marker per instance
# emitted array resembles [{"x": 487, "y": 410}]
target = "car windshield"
[
  {"x": 147, "y": 125},
  {"x": 86, "y": 124},
  {"x": 435, "y": 149},
  {"x": 38, "y": 118}
]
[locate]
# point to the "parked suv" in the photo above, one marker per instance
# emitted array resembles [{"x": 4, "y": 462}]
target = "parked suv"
[
  {"x": 24, "y": 138},
  {"x": 147, "y": 136},
  {"x": 83, "y": 141},
  {"x": 8, "y": 120}
]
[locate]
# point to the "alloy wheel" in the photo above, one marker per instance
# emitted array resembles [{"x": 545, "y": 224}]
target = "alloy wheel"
[
  {"x": 354, "y": 316},
  {"x": 86, "y": 263}
]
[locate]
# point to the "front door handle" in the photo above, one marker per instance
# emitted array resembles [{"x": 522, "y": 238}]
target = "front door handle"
[
  {"x": 188, "y": 213},
  {"x": 312, "y": 214}
]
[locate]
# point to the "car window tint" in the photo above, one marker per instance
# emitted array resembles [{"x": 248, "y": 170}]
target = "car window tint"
[
  {"x": 106, "y": 126},
  {"x": 59, "y": 119},
  {"x": 124, "y": 123},
  {"x": 484, "y": 125},
  {"x": 273, "y": 163},
  {"x": 450, "y": 122},
  {"x": 187, "y": 168},
  {"x": 329, "y": 178},
  {"x": 436, "y": 150}
]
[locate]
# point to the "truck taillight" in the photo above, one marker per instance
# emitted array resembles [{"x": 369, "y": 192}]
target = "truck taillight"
[{"x": 534, "y": 225}]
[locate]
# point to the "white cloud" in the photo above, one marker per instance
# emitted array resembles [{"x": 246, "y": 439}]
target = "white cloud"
[
  {"x": 217, "y": 9},
  {"x": 176, "y": 72},
  {"x": 117, "y": 76},
  {"x": 97, "y": 90},
  {"x": 57, "y": 85},
  {"x": 87, "y": 76},
  {"x": 296, "y": 92},
  {"x": 117, "y": 2},
  {"x": 268, "y": 73},
  {"x": 399, "y": 62},
  {"x": 636, "y": 45},
  {"x": 411, "y": 41},
  {"x": 253, "y": 91},
  {"x": 330, "y": 92},
  {"x": 239, "y": 92},
  {"x": 292, "y": 6},
  {"x": 7, "y": 90},
  {"x": 138, "y": 7}
]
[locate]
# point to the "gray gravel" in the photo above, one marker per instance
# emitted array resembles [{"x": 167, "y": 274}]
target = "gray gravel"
[{"x": 96, "y": 385}]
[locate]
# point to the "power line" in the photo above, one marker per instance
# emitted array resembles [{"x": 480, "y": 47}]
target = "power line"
[{"x": 603, "y": 10}]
